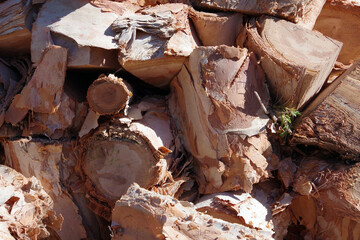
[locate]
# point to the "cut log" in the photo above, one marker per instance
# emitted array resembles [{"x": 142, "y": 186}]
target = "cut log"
[
  {"x": 297, "y": 11},
  {"x": 216, "y": 29},
  {"x": 126, "y": 150},
  {"x": 154, "y": 42},
  {"x": 26, "y": 209},
  {"x": 336, "y": 20},
  {"x": 332, "y": 120},
  {"x": 42, "y": 160},
  {"x": 329, "y": 209},
  {"x": 108, "y": 95},
  {"x": 297, "y": 66},
  {"x": 163, "y": 217},
  {"x": 90, "y": 46},
  {"x": 15, "y": 27},
  {"x": 219, "y": 118}
]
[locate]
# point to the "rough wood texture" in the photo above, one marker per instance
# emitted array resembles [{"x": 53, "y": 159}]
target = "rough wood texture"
[
  {"x": 42, "y": 159},
  {"x": 219, "y": 118},
  {"x": 297, "y": 66},
  {"x": 216, "y": 29},
  {"x": 304, "y": 12},
  {"x": 15, "y": 27},
  {"x": 154, "y": 42},
  {"x": 126, "y": 150},
  {"x": 332, "y": 120},
  {"x": 163, "y": 217},
  {"x": 336, "y": 20},
  {"x": 26, "y": 209},
  {"x": 90, "y": 46},
  {"x": 329, "y": 202},
  {"x": 108, "y": 94}
]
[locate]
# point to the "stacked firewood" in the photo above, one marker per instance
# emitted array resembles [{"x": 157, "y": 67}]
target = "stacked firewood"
[{"x": 164, "y": 119}]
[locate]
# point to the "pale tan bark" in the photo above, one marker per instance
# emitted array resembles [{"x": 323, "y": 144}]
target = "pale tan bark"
[
  {"x": 297, "y": 65},
  {"x": 219, "y": 118},
  {"x": 332, "y": 120}
]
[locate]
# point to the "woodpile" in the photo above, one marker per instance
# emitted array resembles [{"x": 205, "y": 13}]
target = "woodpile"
[{"x": 179, "y": 119}]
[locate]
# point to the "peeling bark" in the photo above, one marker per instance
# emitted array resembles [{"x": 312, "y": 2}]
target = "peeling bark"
[
  {"x": 126, "y": 150},
  {"x": 296, "y": 66},
  {"x": 332, "y": 120},
  {"x": 219, "y": 118},
  {"x": 26, "y": 209},
  {"x": 162, "y": 217},
  {"x": 154, "y": 42}
]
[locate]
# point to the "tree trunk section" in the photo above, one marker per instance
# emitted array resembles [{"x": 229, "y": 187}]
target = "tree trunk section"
[
  {"x": 332, "y": 120},
  {"x": 297, "y": 66}
]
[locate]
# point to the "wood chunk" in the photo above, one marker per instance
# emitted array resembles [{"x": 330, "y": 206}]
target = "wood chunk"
[
  {"x": 336, "y": 20},
  {"x": 90, "y": 46},
  {"x": 216, "y": 29},
  {"x": 15, "y": 27},
  {"x": 154, "y": 42},
  {"x": 297, "y": 66},
  {"x": 126, "y": 150},
  {"x": 332, "y": 120},
  {"x": 108, "y": 94},
  {"x": 330, "y": 210},
  {"x": 302, "y": 11},
  {"x": 162, "y": 217},
  {"x": 219, "y": 118},
  {"x": 26, "y": 209},
  {"x": 42, "y": 160},
  {"x": 91, "y": 122}
]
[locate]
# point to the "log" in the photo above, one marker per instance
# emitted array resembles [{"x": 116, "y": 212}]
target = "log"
[
  {"x": 297, "y": 11},
  {"x": 126, "y": 150},
  {"x": 42, "y": 159},
  {"x": 108, "y": 94},
  {"x": 15, "y": 27},
  {"x": 219, "y": 119},
  {"x": 154, "y": 42},
  {"x": 26, "y": 209},
  {"x": 162, "y": 217},
  {"x": 332, "y": 120},
  {"x": 215, "y": 29},
  {"x": 90, "y": 47},
  {"x": 336, "y": 20},
  {"x": 297, "y": 66},
  {"x": 329, "y": 208}
]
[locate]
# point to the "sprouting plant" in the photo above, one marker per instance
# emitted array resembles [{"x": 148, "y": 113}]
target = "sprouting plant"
[{"x": 286, "y": 117}]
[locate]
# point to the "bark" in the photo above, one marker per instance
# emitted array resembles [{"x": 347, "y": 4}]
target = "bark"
[
  {"x": 154, "y": 42},
  {"x": 26, "y": 209},
  {"x": 42, "y": 159},
  {"x": 15, "y": 27},
  {"x": 90, "y": 46},
  {"x": 126, "y": 150},
  {"x": 332, "y": 120},
  {"x": 329, "y": 208},
  {"x": 163, "y": 217},
  {"x": 304, "y": 12},
  {"x": 219, "y": 118},
  {"x": 296, "y": 66},
  {"x": 108, "y": 95},
  {"x": 336, "y": 20},
  {"x": 216, "y": 29}
]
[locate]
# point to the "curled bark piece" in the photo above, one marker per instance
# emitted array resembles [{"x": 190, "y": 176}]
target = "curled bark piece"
[
  {"x": 219, "y": 118},
  {"x": 332, "y": 120},
  {"x": 216, "y": 29},
  {"x": 42, "y": 160},
  {"x": 108, "y": 94},
  {"x": 296, "y": 66},
  {"x": 162, "y": 217},
  {"x": 26, "y": 209},
  {"x": 293, "y": 10},
  {"x": 154, "y": 42},
  {"x": 127, "y": 150}
]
